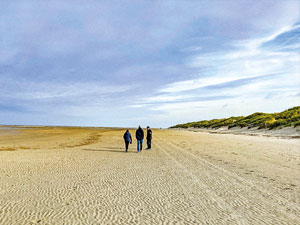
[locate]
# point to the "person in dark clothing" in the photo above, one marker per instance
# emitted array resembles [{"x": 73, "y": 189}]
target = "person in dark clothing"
[
  {"x": 139, "y": 134},
  {"x": 149, "y": 137},
  {"x": 127, "y": 139}
]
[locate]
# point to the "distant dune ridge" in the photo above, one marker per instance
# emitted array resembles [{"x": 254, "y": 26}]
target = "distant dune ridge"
[{"x": 287, "y": 118}]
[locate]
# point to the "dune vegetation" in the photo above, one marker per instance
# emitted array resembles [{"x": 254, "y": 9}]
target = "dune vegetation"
[{"x": 289, "y": 117}]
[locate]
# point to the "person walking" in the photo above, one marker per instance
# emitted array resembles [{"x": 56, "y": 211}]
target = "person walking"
[
  {"x": 139, "y": 134},
  {"x": 127, "y": 139},
  {"x": 149, "y": 137}
]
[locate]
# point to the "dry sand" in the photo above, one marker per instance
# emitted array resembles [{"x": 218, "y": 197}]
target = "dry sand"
[{"x": 83, "y": 176}]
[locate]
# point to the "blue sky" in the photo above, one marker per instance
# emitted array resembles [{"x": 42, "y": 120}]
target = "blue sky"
[{"x": 157, "y": 63}]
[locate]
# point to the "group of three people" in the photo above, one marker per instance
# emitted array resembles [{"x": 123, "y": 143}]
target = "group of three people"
[{"x": 139, "y": 134}]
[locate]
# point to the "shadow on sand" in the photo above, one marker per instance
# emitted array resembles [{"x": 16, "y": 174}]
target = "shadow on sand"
[{"x": 109, "y": 150}]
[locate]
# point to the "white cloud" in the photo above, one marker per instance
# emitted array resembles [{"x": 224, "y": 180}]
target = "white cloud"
[
  {"x": 47, "y": 90},
  {"x": 163, "y": 98},
  {"x": 255, "y": 43},
  {"x": 196, "y": 83},
  {"x": 246, "y": 62}
]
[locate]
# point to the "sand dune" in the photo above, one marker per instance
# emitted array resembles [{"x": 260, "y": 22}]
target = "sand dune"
[{"x": 83, "y": 176}]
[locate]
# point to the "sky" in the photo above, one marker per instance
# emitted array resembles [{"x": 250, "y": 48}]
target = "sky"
[{"x": 158, "y": 63}]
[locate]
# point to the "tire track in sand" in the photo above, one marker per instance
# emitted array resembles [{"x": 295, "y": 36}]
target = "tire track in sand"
[
  {"x": 238, "y": 192},
  {"x": 218, "y": 210},
  {"x": 276, "y": 199}
]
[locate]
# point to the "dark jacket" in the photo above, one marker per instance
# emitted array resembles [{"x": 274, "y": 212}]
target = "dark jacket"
[
  {"x": 127, "y": 137},
  {"x": 139, "y": 134},
  {"x": 149, "y": 134}
]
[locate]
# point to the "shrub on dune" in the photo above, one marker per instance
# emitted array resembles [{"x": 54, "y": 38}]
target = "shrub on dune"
[{"x": 289, "y": 117}]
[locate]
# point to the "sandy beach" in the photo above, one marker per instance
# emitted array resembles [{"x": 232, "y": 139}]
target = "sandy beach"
[{"x": 60, "y": 175}]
